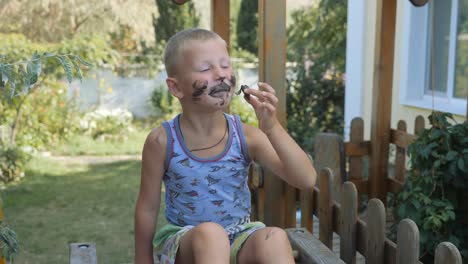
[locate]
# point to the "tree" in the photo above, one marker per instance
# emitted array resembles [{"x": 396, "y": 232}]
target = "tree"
[
  {"x": 55, "y": 20},
  {"x": 247, "y": 26},
  {"x": 317, "y": 44},
  {"x": 173, "y": 18}
]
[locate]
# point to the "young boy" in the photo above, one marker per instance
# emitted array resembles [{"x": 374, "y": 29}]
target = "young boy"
[{"x": 203, "y": 156}]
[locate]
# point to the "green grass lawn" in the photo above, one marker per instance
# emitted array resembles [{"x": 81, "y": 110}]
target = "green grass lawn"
[
  {"x": 57, "y": 204},
  {"x": 85, "y": 145}
]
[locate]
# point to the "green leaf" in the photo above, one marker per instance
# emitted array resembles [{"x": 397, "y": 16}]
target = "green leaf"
[
  {"x": 83, "y": 61},
  {"x": 451, "y": 155},
  {"x": 416, "y": 204},
  {"x": 66, "y": 66},
  {"x": 77, "y": 69},
  {"x": 461, "y": 164},
  {"x": 7, "y": 73},
  {"x": 34, "y": 65},
  {"x": 451, "y": 215}
]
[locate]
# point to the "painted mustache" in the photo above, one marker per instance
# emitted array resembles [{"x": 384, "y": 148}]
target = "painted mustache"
[{"x": 222, "y": 87}]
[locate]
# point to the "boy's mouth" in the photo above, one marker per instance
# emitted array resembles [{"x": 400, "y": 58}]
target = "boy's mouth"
[{"x": 222, "y": 87}]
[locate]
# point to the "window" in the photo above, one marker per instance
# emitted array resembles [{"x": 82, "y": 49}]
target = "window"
[{"x": 435, "y": 56}]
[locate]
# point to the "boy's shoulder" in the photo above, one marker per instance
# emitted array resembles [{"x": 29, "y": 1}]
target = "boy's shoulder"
[{"x": 157, "y": 137}]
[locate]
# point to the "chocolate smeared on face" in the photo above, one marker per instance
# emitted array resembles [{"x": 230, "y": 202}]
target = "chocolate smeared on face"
[
  {"x": 199, "y": 87},
  {"x": 219, "y": 91},
  {"x": 232, "y": 80}
]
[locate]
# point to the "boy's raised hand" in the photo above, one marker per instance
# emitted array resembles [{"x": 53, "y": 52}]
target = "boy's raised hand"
[{"x": 264, "y": 103}]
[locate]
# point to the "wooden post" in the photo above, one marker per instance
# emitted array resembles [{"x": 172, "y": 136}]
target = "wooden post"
[
  {"x": 220, "y": 19},
  {"x": 272, "y": 69},
  {"x": 447, "y": 253},
  {"x": 375, "y": 232},
  {"x": 382, "y": 99},
  {"x": 325, "y": 213},
  {"x": 400, "y": 156},
  {"x": 407, "y": 242},
  {"x": 348, "y": 222}
]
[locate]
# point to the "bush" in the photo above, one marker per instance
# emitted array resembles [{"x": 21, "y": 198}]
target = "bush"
[
  {"x": 12, "y": 163},
  {"x": 105, "y": 124},
  {"x": 434, "y": 194}
]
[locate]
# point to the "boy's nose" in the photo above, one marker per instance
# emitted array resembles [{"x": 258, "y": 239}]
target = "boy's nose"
[{"x": 220, "y": 73}]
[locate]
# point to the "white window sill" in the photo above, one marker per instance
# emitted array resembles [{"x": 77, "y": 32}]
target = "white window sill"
[{"x": 454, "y": 106}]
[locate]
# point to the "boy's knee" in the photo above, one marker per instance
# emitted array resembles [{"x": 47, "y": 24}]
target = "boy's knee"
[
  {"x": 275, "y": 235},
  {"x": 210, "y": 232}
]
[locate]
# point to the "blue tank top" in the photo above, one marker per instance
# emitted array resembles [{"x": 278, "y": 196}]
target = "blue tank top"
[{"x": 207, "y": 189}]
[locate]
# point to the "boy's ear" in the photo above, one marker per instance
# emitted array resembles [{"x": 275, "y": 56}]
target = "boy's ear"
[{"x": 173, "y": 87}]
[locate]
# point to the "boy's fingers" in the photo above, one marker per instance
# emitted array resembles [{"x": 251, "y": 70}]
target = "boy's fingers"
[{"x": 266, "y": 87}]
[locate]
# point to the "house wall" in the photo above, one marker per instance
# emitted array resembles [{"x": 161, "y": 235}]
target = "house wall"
[{"x": 366, "y": 82}]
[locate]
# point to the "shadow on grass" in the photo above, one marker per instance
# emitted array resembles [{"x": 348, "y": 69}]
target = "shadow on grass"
[{"x": 57, "y": 204}]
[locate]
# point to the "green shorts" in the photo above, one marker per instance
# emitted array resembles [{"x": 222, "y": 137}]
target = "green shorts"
[{"x": 167, "y": 240}]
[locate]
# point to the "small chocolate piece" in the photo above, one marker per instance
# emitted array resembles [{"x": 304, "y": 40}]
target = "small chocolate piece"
[{"x": 242, "y": 88}]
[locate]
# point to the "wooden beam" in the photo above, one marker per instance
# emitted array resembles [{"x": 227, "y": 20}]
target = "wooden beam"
[
  {"x": 220, "y": 18},
  {"x": 382, "y": 98},
  {"x": 272, "y": 69},
  {"x": 310, "y": 249}
]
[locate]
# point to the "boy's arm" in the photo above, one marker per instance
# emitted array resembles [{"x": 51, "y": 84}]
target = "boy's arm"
[
  {"x": 272, "y": 146},
  {"x": 147, "y": 206}
]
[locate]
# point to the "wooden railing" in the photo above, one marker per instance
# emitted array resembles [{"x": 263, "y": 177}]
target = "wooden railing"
[
  {"x": 357, "y": 149},
  {"x": 336, "y": 199}
]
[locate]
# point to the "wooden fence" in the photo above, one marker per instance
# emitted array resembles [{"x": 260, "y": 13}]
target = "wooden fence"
[
  {"x": 357, "y": 149},
  {"x": 336, "y": 199},
  {"x": 356, "y": 235}
]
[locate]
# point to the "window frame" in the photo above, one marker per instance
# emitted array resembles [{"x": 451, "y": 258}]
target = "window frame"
[{"x": 414, "y": 70}]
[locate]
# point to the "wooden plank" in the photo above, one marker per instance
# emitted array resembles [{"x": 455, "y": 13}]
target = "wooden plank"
[
  {"x": 357, "y": 149},
  {"x": 220, "y": 19},
  {"x": 419, "y": 124},
  {"x": 361, "y": 185},
  {"x": 309, "y": 248},
  {"x": 325, "y": 208},
  {"x": 307, "y": 207},
  {"x": 330, "y": 154},
  {"x": 348, "y": 222},
  {"x": 407, "y": 242},
  {"x": 400, "y": 138},
  {"x": 291, "y": 206},
  {"x": 394, "y": 185},
  {"x": 376, "y": 225},
  {"x": 356, "y": 137},
  {"x": 382, "y": 99},
  {"x": 272, "y": 69},
  {"x": 83, "y": 253},
  {"x": 447, "y": 253}
]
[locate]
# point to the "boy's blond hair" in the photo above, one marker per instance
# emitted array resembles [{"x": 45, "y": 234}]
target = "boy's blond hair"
[{"x": 182, "y": 40}]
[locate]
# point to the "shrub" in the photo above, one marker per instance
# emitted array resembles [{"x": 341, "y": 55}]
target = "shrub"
[
  {"x": 435, "y": 191},
  {"x": 12, "y": 163},
  {"x": 107, "y": 124}
]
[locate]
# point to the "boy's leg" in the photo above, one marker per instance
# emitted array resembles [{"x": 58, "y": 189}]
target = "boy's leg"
[
  {"x": 267, "y": 245},
  {"x": 205, "y": 243}
]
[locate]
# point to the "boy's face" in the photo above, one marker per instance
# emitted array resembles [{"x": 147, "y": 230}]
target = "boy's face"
[{"x": 206, "y": 76}]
